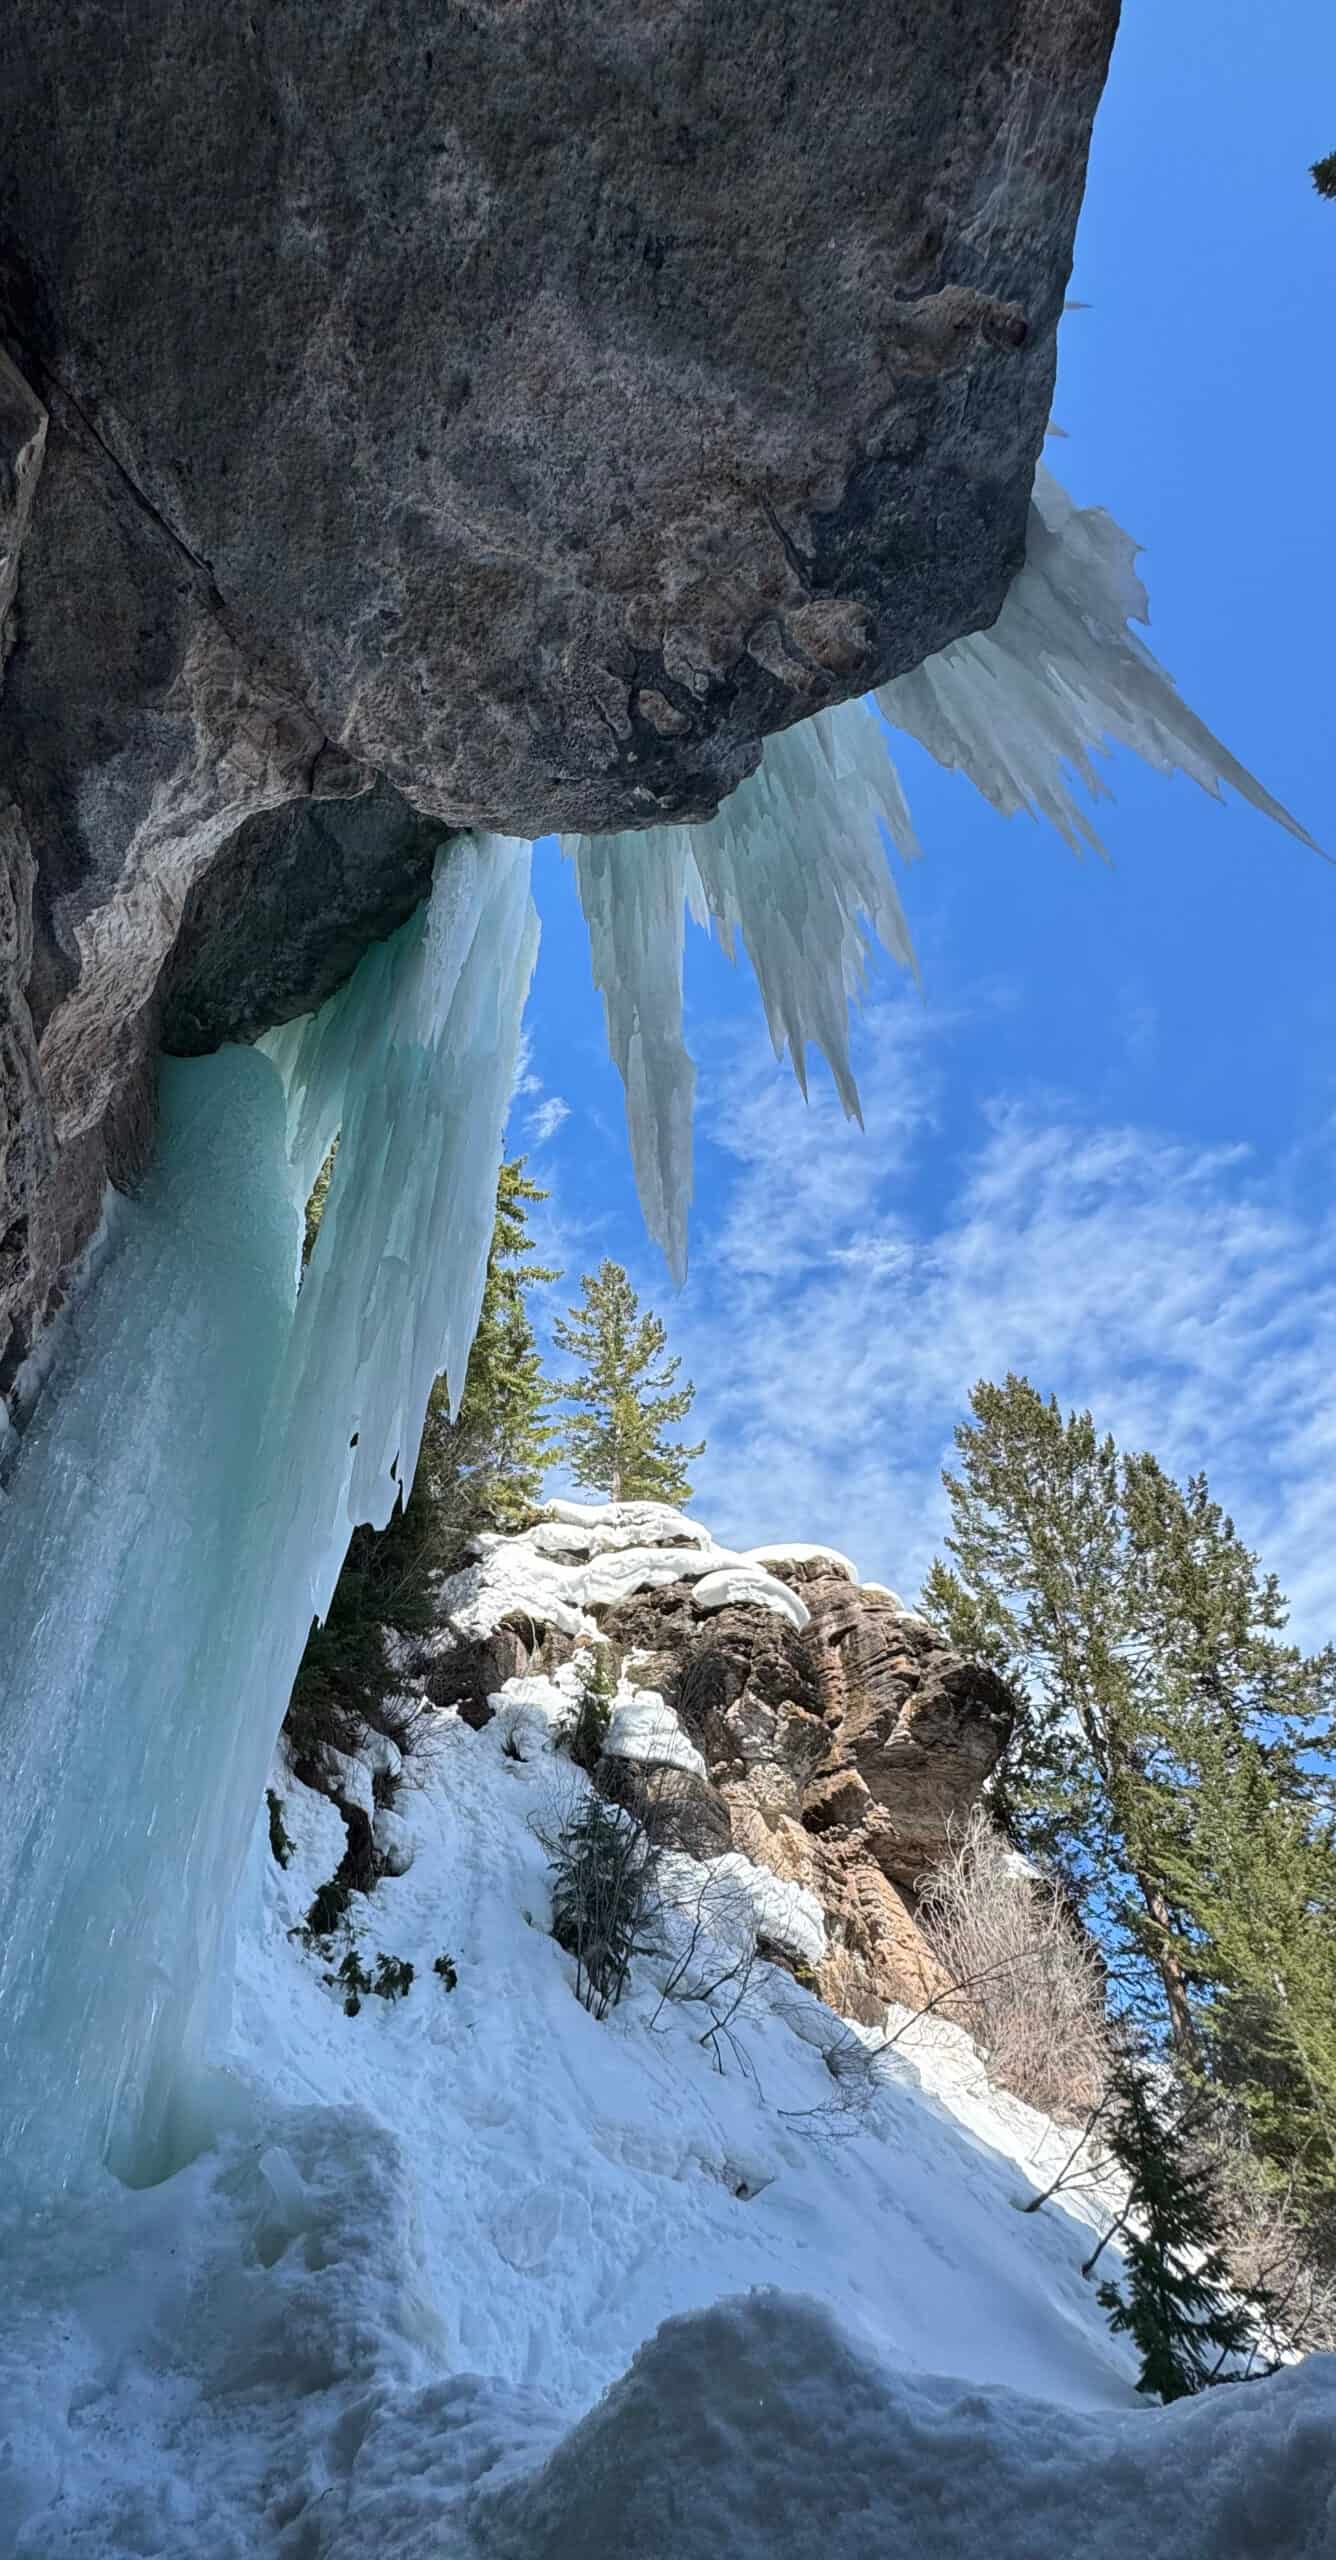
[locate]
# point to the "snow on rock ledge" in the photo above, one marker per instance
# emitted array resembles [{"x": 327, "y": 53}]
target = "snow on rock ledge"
[
  {"x": 621, "y": 1524},
  {"x": 792, "y": 1551},
  {"x": 737, "y": 1585},
  {"x": 583, "y": 1557},
  {"x": 644, "y": 1727},
  {"x": 736, "y": 1901}
]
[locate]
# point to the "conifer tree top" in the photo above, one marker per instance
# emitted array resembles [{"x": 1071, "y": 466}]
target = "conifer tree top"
[{"x": 626, "y": 1395}]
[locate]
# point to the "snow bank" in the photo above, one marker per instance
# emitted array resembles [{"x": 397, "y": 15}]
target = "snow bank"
[
  {"x": 758, "y": 2427},
  {"x": 448, "y": 2280}
]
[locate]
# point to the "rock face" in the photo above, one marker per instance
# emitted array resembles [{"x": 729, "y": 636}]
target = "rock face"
[
  {"x": 836, "y": 1744},
  {"x": 511, "y": 412},
  {"x": 844, "y": 1754},
  {"x": 561, "y": 397}
]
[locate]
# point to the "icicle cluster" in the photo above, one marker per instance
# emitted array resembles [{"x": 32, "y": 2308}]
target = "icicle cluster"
[
  {"x": 792, "y": 865},
  {"x": 1059, "y": 676},
  {"x": 795, "y": 865},
  {"x": 182, "y": 1502}
]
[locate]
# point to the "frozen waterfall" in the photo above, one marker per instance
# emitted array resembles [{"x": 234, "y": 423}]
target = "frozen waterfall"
[
  {"x": 182, "y": 1502},
  {"x": 795, "y": 865}
]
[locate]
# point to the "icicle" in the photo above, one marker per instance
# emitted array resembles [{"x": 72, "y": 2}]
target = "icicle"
[
  {"x": 1058, "y": 677},
  {"x": 634, "y": 908},
  {"x": 791, "y": 863},
  {"x": 180, "y": 1507},
  {"x": 794, "y": 861}
]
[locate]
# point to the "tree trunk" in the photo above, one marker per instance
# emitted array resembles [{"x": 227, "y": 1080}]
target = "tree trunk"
[{"x": 1170, "y": 1972}]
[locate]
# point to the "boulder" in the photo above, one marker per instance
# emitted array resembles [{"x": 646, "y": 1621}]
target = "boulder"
[{"x": 470, "y": 415}]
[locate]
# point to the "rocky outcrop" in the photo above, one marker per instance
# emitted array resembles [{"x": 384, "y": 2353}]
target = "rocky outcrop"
[
  {"x": 845, "y": 1753},
  {"x": 836, "y": 1743},
  {"x": 509, "y": 414}
]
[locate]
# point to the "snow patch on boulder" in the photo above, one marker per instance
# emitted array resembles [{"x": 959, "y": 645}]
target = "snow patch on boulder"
[
  {"x": 743, "y": 1586},
  {"x": 735, "y": 1901},
  {"x": 794, "y": 1551},
  {"x": 883, "y": 1591}
]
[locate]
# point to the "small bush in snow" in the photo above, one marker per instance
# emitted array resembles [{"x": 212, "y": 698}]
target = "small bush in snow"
[
  {"x": 392, "y": 1980},
  {"x": 394, "y": 1977},
  {"x": 593, "y": 1714},
  {"x": 278, "y": 1838},
  {"x": 445, "y": 1967},
  {"x": 353, "y": 1980},
  {"x": 1029, "y": 1986},
  {"x": 601, "y": 1870}
]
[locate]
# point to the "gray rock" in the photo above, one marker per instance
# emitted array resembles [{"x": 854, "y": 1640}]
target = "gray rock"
[
  {"x": 283, "y": 914},
  {"x": 28, "y": 1250},
  {"x": 505, "y": 413},
  {"x": 560, "y": 398},
  {"x": 22, "y": 439}
]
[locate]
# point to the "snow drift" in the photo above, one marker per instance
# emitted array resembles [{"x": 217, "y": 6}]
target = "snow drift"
[{"x": 471, "y": 2274}]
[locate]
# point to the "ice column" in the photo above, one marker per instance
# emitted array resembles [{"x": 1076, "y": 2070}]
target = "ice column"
[{"x": 181, "y": 1505}]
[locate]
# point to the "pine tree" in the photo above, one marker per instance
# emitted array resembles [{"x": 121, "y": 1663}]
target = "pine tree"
[
  {"x": 601, "y": 1872},
  {"x": 1177, "y": 2307},
  {"x": 490, "y": 1461},
  {"x": 627, "y": 1394},
  {"x": 1324, "y": 175},
  {"x": 1163, "y": 1750}
]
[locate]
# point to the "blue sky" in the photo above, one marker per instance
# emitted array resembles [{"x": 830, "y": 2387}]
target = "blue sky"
[{"x": 1100, "y": 1143}]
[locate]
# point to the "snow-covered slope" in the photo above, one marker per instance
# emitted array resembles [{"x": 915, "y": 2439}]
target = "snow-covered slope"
[{"x": 434, "y": 2234}]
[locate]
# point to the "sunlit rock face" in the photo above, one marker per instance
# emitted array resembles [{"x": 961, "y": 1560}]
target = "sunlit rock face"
[{"x": 499, "y": 416}]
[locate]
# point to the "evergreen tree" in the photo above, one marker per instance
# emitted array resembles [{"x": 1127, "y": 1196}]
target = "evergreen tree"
[
  {"x": 1178, "y": 2307},
  {"x": 601, "y": 1876},
  {"x": 627, "y": 1396},
  {"x": 1324, "y": 175},
  {"x": 486, "y": 1467},
  {"x": 1163, "y": 1753}
]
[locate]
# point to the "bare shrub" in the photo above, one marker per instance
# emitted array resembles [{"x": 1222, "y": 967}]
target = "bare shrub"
[
  {"x": 1277, "y": 2241},
  {"x": 705, "y": 1925},
  {"x": 1027, "y": 1985}
]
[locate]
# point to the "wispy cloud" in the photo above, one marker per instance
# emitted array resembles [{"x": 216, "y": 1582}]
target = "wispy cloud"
[
  {"x": 856, "y": 1287},
  {"x": 544, "y": 1122}
]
